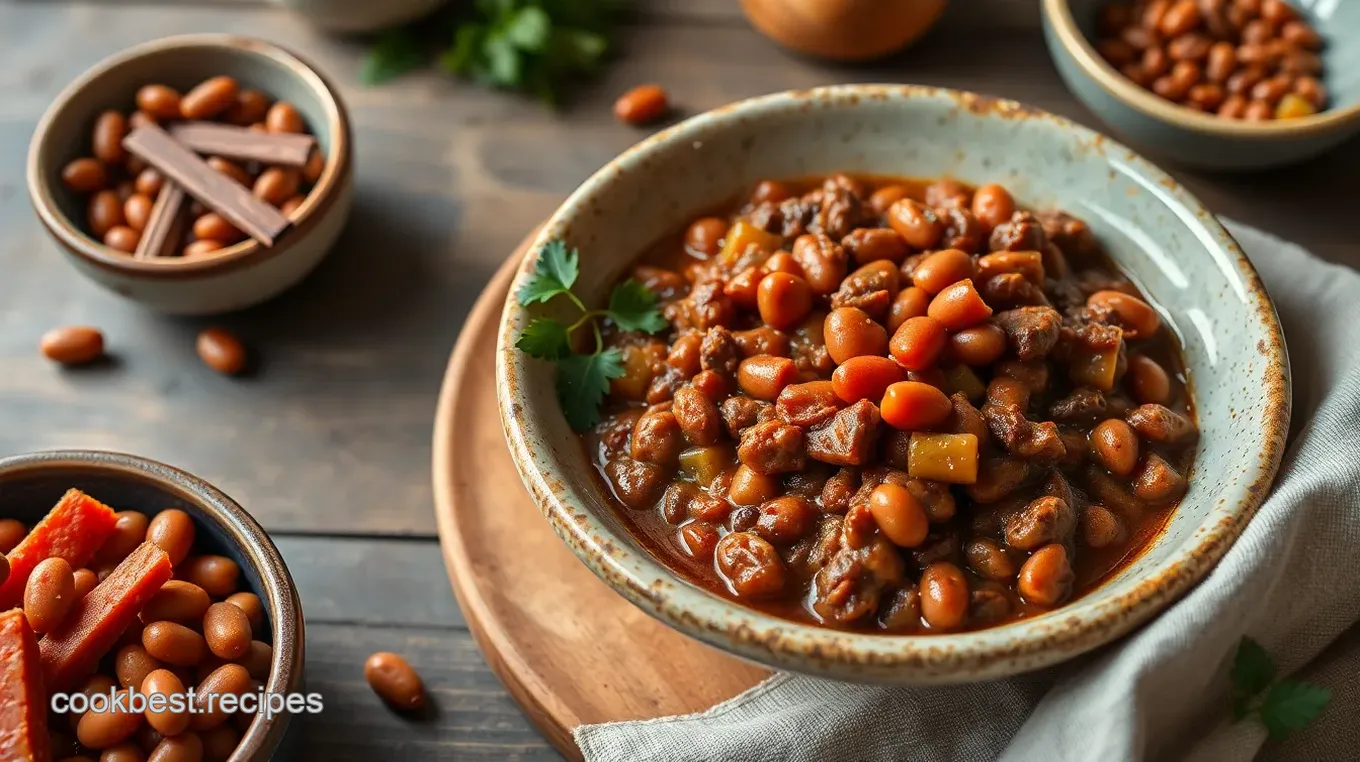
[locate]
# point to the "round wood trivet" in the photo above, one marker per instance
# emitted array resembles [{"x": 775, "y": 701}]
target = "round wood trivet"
[{"x": 568, "y": 648}]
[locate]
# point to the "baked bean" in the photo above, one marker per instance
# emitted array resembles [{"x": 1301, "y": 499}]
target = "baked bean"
[
  {"x": 173, "y": 643},
  {"x": 914, "y": 406},
  {"x": 289, "y": 208},
  {"x": 1100, "y": 528},
  {"x": 213, "y": 226},
  {"x": 129, "y": 531},
  {"x": 219, "y": 743},
  {"x": 122, "y": 238},
  {"x": 1176, "y": 84},
  {"x": 159, "y": 101},
  {"x": 13, "y": 531},
  {"x": 1189, "y": 47},
  {"x": 772, "y": 191},
  {"x": 228, "y": 679},
  {"x": 1135, "y": 73},
  {"x": 1115, "y": 446},
  {"x": 49, "y": 594},
  {"x": 783, "y": 300},
  {"x": 109, "y": 130},
  {"x": 258, "y": 659},
  {"x": 785, "y": 519},
  {"x": 764, "y": 377},
  {"x": 959, "y": 306},
  {"x": 684, "y": 354},
  {"x": 867, "y": 245},
  {"x": 226, "y": 629},
  {"x": 84, "y": 176},
  {"x": 783, "y": 262},
  {"x": 1234, "y": 107},
  {"x": 1006, "y": 390},
  {"x": 750, "y": 487},
  {"x": 105, "y": 212},
  {"x": 850, "y": 332},
  {"x": 1277, "y": 11},
  {"x": 749, "y": 565},
  {"x": 900, "y": 516},
  {"x": 217, "y": 575},
  {"x": 141, "y": 118},
  {"x": 316, "y": 164},
  {"x": 137, "y": 211},
  {"x": 132, "y": 664},
  {"x": 1155, "y": 62},
  {"x": 822, "y": 260},
  {"x": 882, "y": 199},
  {"x": 283, "y": 117},
  {"x": 1180, "y": 18},
  {"x": 699, "y": 539},
  {"x": 209, "y": 98},
  {"x": 1118, "y": 53},
  {"x": 84, "y": 581},
  {"x": 166, "y": 683},
  {"x": 1156, "y": 481},
  {"x": 1258, "y": 111},
  {"x": 173, "y": 532},
  {"x": 201, "y": 247},
  {"x": 222, "y": 351},
  {"x": 993, "y": 204},
  {"x": 1301, "y": 34},
  {"x": 100, "y": 730},
  {"x": 249, "y": 107},
  {"x": 989, "y": 560},
  {"x": 698, "y": 415},
  {"x": 917, "y": 223},
  {"x": 1244, "y": 79},
  {"x": 1158, "y": 423},
  {"x": 1272, "y": 89},
  {"x": 944, "y": 596},
  {"x": 231, "y": 169},
  {"x": 395, "y": 681},
  {"x": 1311, "y": 90},
  {"x": 185, "y": 747},
  {"x": 642, "y": 105},
  {"x": 705, "y": 235},
  {"x": 123, "y": 752},
  {"x": 1138, "y": 318},
  {"x": 1220, "y": 62},
  {"x": 1147, "y": 381},
  {"x": 1046, "y": 577},
  {"x": 69, "y": 345},
  {"x": 1206, "y": 96},
  {"x": 918, "y": 343},
  {"x": 978, "y": 346},
  {"x": 275, "y": 186},
  {"x": 910, "y": 302},
  {"x": 942, "y": 269},
  {"x": 865, "y": 377},
  {"x": 948, "y": 193}
]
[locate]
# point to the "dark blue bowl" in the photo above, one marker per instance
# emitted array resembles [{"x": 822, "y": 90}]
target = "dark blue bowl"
[{"x": 31, "y": 484}]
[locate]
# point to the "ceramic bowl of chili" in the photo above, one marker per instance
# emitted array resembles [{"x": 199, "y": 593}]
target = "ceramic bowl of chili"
[
  {"x": 31, "y": 484},
  {"x": 1158, "y": 235},
  {"x": 229, "y": 278},
  {"x": 1194, "y": 138}
]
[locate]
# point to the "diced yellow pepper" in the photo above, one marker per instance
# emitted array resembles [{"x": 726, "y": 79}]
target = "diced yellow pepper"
[
  {"x": 638, "y": 360},
  {"x": 1094, "y": 369},
  {"x": 704, "y": 464},
  {"x": 1293, "y": 106},
  {"x": 961, "y": 378},
  {"x": 743, "y": 236},
  {"x": 949, "y": 458}
]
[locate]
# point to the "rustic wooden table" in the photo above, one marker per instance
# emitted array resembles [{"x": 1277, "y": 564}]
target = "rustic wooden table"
[{"x": 329, "y": 444}]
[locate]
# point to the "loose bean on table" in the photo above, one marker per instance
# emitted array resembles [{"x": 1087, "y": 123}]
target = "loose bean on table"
[{"x": 393, "y": 679}]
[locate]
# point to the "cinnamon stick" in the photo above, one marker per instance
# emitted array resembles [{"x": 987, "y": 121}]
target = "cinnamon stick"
[{"x": 290, "y": 149}]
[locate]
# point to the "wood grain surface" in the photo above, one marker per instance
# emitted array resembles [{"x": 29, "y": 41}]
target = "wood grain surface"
[{"x": 329, "y": 443}]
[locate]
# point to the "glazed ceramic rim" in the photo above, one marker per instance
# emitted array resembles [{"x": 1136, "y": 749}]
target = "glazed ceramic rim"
[
  {"x": 1059, "y": 12},
  {"x": 264, "y": 736},
  {"x": 1035, "y": 642},
  {"x": 244, "y": 253}
]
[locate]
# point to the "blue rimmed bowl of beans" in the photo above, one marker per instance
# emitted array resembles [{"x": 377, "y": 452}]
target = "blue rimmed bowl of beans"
[
  {"x": 918, "y": 410},
  {"x": 1220, "y": 84},
  {"x": 130, "y": 574}
]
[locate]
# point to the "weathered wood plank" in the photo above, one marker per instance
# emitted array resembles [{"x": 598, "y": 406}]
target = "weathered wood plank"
[
  {"x": 371, "y": 581},
  {"x": 471, "y": 717}
]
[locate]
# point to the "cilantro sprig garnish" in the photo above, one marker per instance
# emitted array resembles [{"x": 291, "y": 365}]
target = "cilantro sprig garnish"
[
  {"x": 1283, "y": 707},
  {"x": 582, "y": 379}
]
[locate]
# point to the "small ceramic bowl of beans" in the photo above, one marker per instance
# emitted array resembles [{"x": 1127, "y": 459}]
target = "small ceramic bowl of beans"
[
  {"x": 197, "y": 174},
  {"x": 1225, "y": 84},
  {"x": 121, "y": 573}
]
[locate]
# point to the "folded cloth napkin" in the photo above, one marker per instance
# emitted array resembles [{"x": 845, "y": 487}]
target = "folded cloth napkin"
[{"x": 1163, "y": 692}]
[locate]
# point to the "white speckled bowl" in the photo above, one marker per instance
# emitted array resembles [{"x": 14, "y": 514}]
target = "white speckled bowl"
[{"x": 1161, "y": 236}]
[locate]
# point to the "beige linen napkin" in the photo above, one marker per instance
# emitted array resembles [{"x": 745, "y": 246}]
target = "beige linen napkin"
[{"x": 1292, "y": 582}]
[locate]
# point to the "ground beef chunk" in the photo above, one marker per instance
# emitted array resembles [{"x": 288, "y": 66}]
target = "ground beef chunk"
[
  {"x": 961, "y": 229},
  {"x": 847, "y": 439},
  {"x": 719, "y": 352},
  {"x": 665, "y": 384},
  {"x": 1022, "y": 437},
  {"x": 1070, "y": 234},
  {"x": 1157, "y": 423},
  {"x": 1031, "y": 332},
  {"x": 711, "y": 306},
  {"x": 1079, "y": 337},
  {"x": 851, "y": 583},
  {"x": 1042, "y": 521},
  {"x": 869, "y": 290},
  {"x": 1081, "y": 406},
  {"x": 808, "y": 404},
  {"x": 810, "y": 554},
  {"x": 838, "y": 213},
  {"x": 998, "y": 476},
  {"x": 901, "y": 610},
  {"x": 1022, "y": 232},
  {"x": 698, "y": 416},
  {"x": 772, "y": 447},
  {"x": 838, "y": 490},
  {"x": 636, "y": 484},
  {"x": 935, "y": 497},
  {"x": 1009, "y": 290},
  {"x": 741, "y": 412},
  {"x": 616, "y": 432},
  {"x": 657, "y": 437}
]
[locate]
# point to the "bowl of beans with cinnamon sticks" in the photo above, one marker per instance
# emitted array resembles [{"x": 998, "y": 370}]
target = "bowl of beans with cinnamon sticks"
[
  {"x": 1218, "y": 84},
  {"x": 197, "y": 174},
  {"x": 124, "y": 580}
]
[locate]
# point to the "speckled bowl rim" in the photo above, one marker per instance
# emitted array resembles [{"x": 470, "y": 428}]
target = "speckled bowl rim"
[
  {"x": 905, "y": 659},
  {"x": 318, "y": 202},
  {"x": 1059, "y": 14},
  {"x": 264, "y": 736}
]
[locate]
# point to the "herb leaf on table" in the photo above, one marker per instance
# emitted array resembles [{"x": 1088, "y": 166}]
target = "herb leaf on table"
[
  {"x": 1287, "y": 706},
  {"x": 582, "y": 377}
]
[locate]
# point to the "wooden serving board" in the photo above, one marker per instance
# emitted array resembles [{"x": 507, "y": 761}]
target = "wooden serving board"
[{"x": 568, "y": 648}]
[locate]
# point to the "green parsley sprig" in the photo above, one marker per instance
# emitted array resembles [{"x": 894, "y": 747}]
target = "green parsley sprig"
[
  {"x": 582, "y": 379},
  {"x": 1283, "y": 707},
  {"x": 531, "y": 46}
]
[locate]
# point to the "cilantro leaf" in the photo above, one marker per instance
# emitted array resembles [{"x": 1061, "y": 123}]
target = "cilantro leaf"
[
  {"x": 545, "y": 339},
  {"x": 529, "y": 29},
  {"x": 1291, "y": 705},
  {"x": 396, "y": 52},
  {"x": 554, "y": 274},
  {"x": 1252, "y": 672},
  {"x": 582, "y": 381},
  {"x": 467, "y": 41},
  {"x": 632, "y": 307}
]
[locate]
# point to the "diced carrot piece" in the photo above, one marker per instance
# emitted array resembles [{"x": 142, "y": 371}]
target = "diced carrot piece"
[
  {"x": 23, "y": 702},
  {"x": 74, "y": 529},
  {"x": 96, "y": 621}
]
